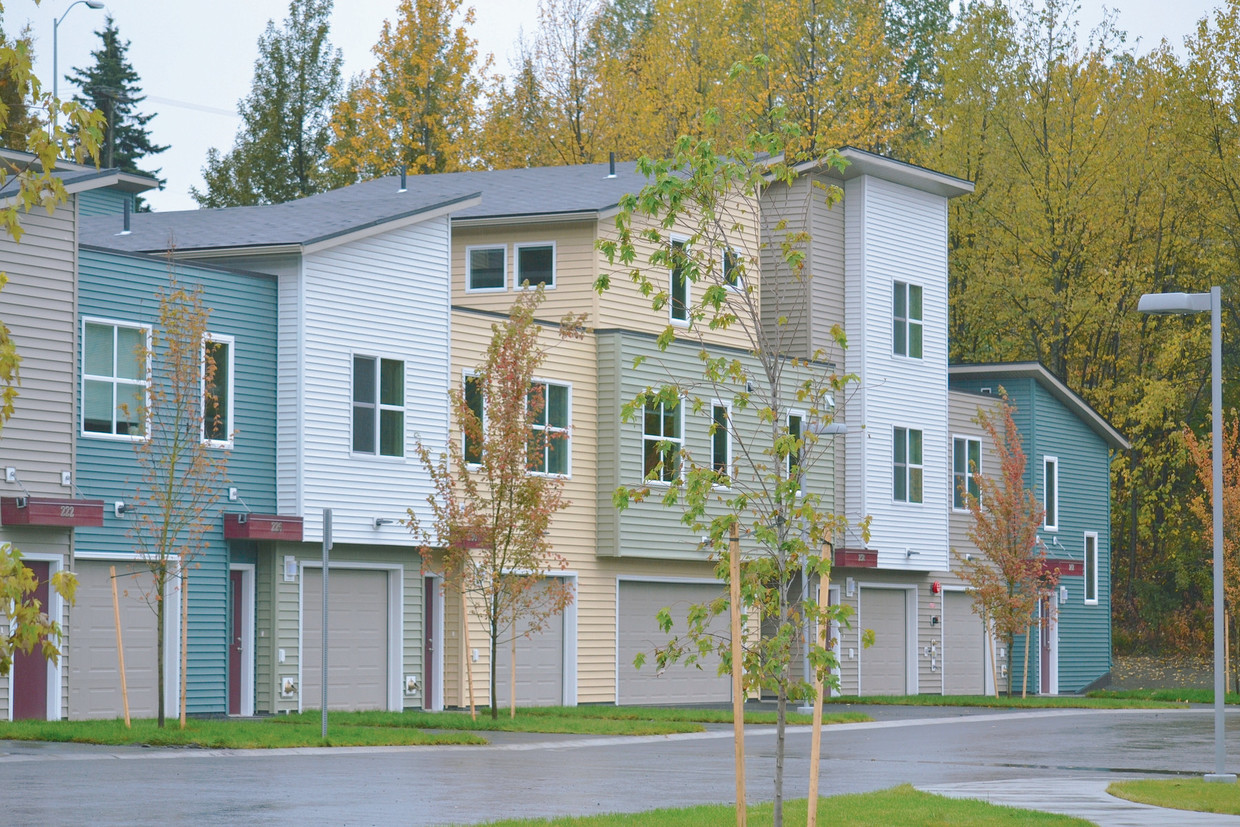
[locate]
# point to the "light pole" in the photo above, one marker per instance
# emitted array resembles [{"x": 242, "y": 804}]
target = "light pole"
[
  {"x": 94, "y": 4},
  {"x": 1178, "y": 304}
]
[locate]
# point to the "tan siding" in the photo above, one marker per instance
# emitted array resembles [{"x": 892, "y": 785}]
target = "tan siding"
[{"x": 785, "y": 296}]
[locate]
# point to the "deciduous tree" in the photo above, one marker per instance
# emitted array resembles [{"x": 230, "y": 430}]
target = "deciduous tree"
[{"x": 493, "y": 497}]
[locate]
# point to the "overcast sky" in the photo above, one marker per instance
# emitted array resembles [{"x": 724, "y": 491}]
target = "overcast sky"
[{"x": 196, "y": 57}]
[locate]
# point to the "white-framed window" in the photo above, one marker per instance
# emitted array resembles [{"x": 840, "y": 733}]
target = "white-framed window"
[
  {"x": 966, "y": 464},
  {"x": 378, "y": 406},
  {"x": 906, "y": 320},
  {"x": 471, "y": 448},
  {"x": 535, "y": 265},
  {"x": 732, "y": 270},
  {"x": 486, "y": 268},
  {"x": 662, "y": 438},
  {"x": 678, "y": 287},
  {"x": 1091, "y": 568},
  {"x": 1050, "y": 493},
  {"x": 721, "y": 441},
  {"x": 796, "y": 430},
  {"x": 906, "y": 466},
  {"x": 115, "y": 378},
  {"x": 550, "y": 416},
  {"x": 217, "y": 394}
]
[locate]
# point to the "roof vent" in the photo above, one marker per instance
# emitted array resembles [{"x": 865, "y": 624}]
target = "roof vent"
[
  {"x": 611, "y": 165},
  {"x": 125, "y": 220},
  {"x": 988, "y": 391},
  {"x": 402, "y": 178}
]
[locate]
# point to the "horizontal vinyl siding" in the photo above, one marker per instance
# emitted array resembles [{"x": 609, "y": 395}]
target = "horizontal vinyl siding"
[
  {"x": 123, "y": 288},
  {"x": 103, "y": 202},
  {"x": 962, "y": 411},
  {"x": 385, "y": 296},
  {"x": 826, "y": 229},
  {"x": 787, "y": 315}
]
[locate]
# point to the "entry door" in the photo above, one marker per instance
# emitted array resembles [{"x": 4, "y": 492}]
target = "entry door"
[
  {"x": 236, "y": 647},
  {"x": 1047, "y": 660},
  {"x": 30, "y": 670},
  {"x": 430, "y": 590}
]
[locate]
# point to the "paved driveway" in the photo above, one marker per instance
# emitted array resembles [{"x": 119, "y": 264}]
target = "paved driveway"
[{"x": 543, "y": 775}]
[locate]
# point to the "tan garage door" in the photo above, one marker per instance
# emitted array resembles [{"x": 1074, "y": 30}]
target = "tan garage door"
[
  {"x": 357, "y": 657},
  {"x": 884, "y": 666},
  {"x": 540, "y": 667},
  {"x": 94, "y": 676},
  {"x": 964, "y": 646},
  {"x": 638, "y": 631}
]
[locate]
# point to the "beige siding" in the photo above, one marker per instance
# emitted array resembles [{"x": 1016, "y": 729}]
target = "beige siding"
[{"x": 786, "y": 311}]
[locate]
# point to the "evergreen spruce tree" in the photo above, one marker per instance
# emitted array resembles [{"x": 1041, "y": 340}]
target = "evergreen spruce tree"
[
  {"x": 22, "y": 118},
  {"x": 280, "y": 150},
  {"x": 112, "y": 86}
]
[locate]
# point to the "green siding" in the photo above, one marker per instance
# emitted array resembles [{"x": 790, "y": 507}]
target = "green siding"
[
  {"x": 104, "y": 202},
  {"x": 123, "y": 288}
]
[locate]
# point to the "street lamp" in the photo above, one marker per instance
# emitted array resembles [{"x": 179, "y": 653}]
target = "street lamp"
[
  {"x": 1178, "y": 304},
  {"x": 94, "y": 4}
]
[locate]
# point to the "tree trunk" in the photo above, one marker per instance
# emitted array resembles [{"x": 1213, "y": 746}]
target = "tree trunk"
[
  {"x": 781, "y": 723},
  {"x": 494, "y": 651}
]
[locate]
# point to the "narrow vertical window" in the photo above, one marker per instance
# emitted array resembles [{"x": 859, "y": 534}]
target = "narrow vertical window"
[
  {"x": 966, "y": 465},
  {"x": 661, "y": 440},
  {"x": 793, "y": 464},
  {"x": 114, "y": 379},
  {"x": 907, "y": 465},
  {"x": 472, "y": 442},
  {"x": 1091, "y": 567},
  {"x": 720, "y": 443},
  {"x": 217, "y": 390},
  {"x": 378, "y": 406},
  {"x": 1050, "y": 492},
  {"x": 731, "y": 268},
  {"x": 678, "y": 307},
  {"x": 906, "y": 321}
]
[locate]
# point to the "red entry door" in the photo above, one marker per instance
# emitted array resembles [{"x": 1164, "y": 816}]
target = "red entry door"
[
  {"x": 30, "y": 670},
  {"x": 235, "y": 649}
]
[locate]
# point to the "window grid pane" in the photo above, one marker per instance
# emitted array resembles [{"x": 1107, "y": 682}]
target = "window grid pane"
[
  {"x": 486, "y": 269},
  {"x": 661, "y": 440},
  {"x": 114, "y": 379},
  {"x": 536, "y": 265}
]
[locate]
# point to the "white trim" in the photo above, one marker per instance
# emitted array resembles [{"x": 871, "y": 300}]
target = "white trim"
[
  {"x": 516, "y": 263},
  {"x": 683, "y": 241},
  {"x": 379, "y": 408},
  {"x": 969, "y": 473},
  {"x": 1085, "y": 580},
  {"x": 396, "y": 608},
  {"x": 678, "y": 440},
  {"x": 731, "y": 465},
  {"x": 908, "y": 466},
  {"x": 247, "y": 635},
  {"x": 910, "y": 632},
  {"x": 1047, "y": 486},
  {"x": 420, "y": 217},
  {"x": 1052, "y": 629},
  {"x": 82, "y": 376},
  {"x": 548, "y": 428},
  {"x": 437, "y": 608},
  {"x": 218, "y": 338},
  {"x": 56, "y": 611},
  {"x": 503, "y": 248}
]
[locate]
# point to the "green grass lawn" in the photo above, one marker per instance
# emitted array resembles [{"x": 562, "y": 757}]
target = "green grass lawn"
[
  {"x": 900, "y": 805},
  {"x": 224, "y": 734},
  {"x": 1181, "y": 794},
  {"x": 1191, "y": 696}
]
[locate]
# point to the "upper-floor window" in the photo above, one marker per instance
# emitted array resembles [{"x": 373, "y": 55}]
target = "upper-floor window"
[
  {"x": 217, "y": 390},
  {"x": 114, "y": 378},
  {"x": 907, "y": 466},
  {"x": 966, "y": 465},
  {"x": 721, "y": 442},
  {"x": 535, "y": 265},
  {"x": 1091, "y": 567},
  {"x": 486, "y": 268},
  {"x": 792, "y": 465},
  {"x": 678, "y": 293},
  {"x": 471, "y": 443},
  {"x": 549, "y": 436},
  {"x": 1050, "y": 492},
  {"x": 378, "y": 406},
  {"x": 662, "y": 438},
  {"x": 906, "y": 321}
]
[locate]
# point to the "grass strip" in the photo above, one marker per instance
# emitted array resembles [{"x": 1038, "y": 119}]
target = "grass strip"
[
  {"x": 1181, "y": 695},
  {"x": 225, "y": 734},
  {"x": 1181, "y": 794},
  {"x": 901, "y": 805},
  {"x": 1004, "y": 702}
]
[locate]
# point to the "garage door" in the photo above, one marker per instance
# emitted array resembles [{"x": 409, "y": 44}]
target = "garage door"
[
  {"x": 94, "y": 677},
  {"x": 540, "y": 667},
  {"x": 637, "y": 630},
  {"x": 884, "y": 666},
  {"x": 357, "y": 658},
  {"x": 964, "y": 646}
]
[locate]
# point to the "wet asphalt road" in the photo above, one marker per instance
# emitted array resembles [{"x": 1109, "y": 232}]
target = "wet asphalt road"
[{"x": 547, "y": 775}]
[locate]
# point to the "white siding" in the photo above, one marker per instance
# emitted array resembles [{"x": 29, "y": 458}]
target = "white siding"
[
  {"x": 383, "y": 296},
  {"x": 894, "y": 233}
]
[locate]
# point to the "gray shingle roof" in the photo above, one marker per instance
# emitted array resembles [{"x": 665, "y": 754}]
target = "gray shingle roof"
[{"x": 584, "y": 189}]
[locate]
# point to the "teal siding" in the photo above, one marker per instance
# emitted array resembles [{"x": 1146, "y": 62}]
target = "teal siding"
[
  {"x": 104, "y": 202},
  {"x": 123, "y": 288},
  {"x": 1049, "y": 428}
]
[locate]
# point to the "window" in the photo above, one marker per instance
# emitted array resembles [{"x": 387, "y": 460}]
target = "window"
[
  {"x": 472, "y": 447},
  {"x": 907, "y": 466},
  {"x": 906, "y": 320},
  {"x": 114, "y": 378},
  {"x": 731, "y": 268},
  {"x": 487, "y": 268},
  {"x": 536, "y": 265},
  {"x": 795, "y": 424},
  {"x": 966, "y": 464},
  {"x": 661, "y": 440},
  {"x": 720, "y": 442},
  {"x": 378, "y": 406},
  {"x": 678, "y": 306},
  {"x": 1091, "y": 568},
  {"x": 549, "y": 418},
  {"x": 217, "y": 390},
  {"x": 1050, "y": 492}
]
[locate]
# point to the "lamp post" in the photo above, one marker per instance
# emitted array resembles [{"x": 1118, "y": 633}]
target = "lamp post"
[
  {"x": 1178, "y": 304},
  {"x": 94, "y": 4}
]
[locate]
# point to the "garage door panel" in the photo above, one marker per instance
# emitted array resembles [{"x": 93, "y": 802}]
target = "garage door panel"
[
  {"x": 540, "y": 666},
  {"x": 638, "y": 632},
  {"x": 884, "y": 666},
  {"x": 964, "y": 646},
  {"x": 94, "y": 673},
  {"x": 358, "y": 644}
]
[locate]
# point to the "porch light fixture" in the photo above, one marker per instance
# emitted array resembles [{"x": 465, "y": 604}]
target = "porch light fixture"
[
  {"x": 1182, "y": 304},
  {"x": 379, "y": 522}
]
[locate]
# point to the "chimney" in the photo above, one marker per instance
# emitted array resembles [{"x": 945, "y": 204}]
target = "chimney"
[
  {"x": 402, "y": 178},
  {"x": 611, "y": 166},
  {"x": 125, "y": 225}
]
